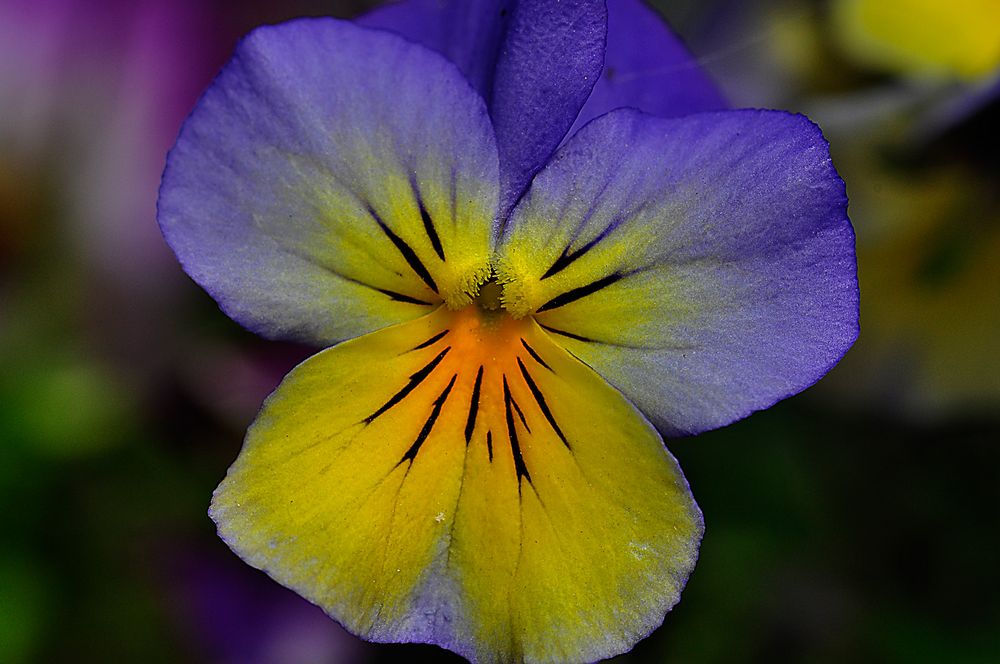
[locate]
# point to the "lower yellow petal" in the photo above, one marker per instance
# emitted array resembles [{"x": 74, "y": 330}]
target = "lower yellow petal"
[{"x": 463, "y": 480}]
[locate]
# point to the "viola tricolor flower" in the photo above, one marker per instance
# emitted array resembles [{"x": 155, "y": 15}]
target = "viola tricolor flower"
[{"x": 476, "y": 460}]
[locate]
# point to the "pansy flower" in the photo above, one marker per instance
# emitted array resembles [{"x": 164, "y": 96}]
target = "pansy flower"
[{"x": 476, "y": 459}]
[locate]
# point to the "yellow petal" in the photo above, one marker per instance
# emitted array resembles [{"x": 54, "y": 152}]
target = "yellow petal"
[{"x": 463, "y": 480}]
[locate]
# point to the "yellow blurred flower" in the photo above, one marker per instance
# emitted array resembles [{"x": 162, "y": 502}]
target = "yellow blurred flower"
[{"x": 927, "y": 38}]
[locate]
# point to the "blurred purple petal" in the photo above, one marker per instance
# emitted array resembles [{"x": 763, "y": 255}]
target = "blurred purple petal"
[
  {"x": 533, "y": 61},
  {"x": 646, "y": 66},
  {"x": 236, "y": 615},
  {"x": 470, "y": 33}
]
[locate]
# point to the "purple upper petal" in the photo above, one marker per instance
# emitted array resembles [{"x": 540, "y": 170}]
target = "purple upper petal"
[
  {"x": 533, "y": 61},
  {"x": 703, "y": 265},
  {"x": 321, "y": 186},
  {"x": 470, "y": 33},
  {"x": 647, "y": 67}
]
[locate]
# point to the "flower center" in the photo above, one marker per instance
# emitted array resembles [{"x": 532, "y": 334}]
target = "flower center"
[{"x": 489, "y": 296}]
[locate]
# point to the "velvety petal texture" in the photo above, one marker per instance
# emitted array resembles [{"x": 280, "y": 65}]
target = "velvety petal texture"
[
  {"x": 534, "y": 61},
  {"x": 704, "y": 266},
  {"x": 333, "y": 180},
  {"x": 646, "y": 66},
  {"x": 463, "y": 480}
]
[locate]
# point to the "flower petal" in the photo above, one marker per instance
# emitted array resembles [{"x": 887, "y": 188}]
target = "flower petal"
[
  {"x": 465, "y": 483},
  {"x": 470, "y": 33},
  {"x": 704, "y": 266},
  {"x": 332, "y": 180},
  {"x": 646, "y": 66},
  {"x": 534, "y": 61}
]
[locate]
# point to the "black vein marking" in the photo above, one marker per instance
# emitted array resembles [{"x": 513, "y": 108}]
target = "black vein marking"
[
  {"x": 520, "y": 414},
  {"x": 415, "y": 380},
  {"x": 406, "y": 251},
  {"x": 582, "y": 291},
  {"x": 569, "y": 335},
  {"x": 589, "y": 340},
  {"x": 535, "y": 356},
  {"x": 567, "y": 257},
  {"x": 431, "y": 233},
  {"x": 430, "y": 342},
  {"x": 489, "y": 444},
  {"x": 470, "y": 424},
  {"x": 411, "y": 454},
  {"x": 426, "y": 217},
  {"x": 399, "y": 297},
  {"x": 540, "y": 399},
  {"x": 515, "y": 448}
]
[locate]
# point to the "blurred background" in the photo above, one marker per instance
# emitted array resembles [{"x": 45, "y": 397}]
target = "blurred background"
[{"x": 856, "y": 522}]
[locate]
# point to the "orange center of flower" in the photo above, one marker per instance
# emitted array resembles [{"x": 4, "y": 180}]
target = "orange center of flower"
[
  {"x": 484, "y": 334},
  {"x": 483, "y": 370}
]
